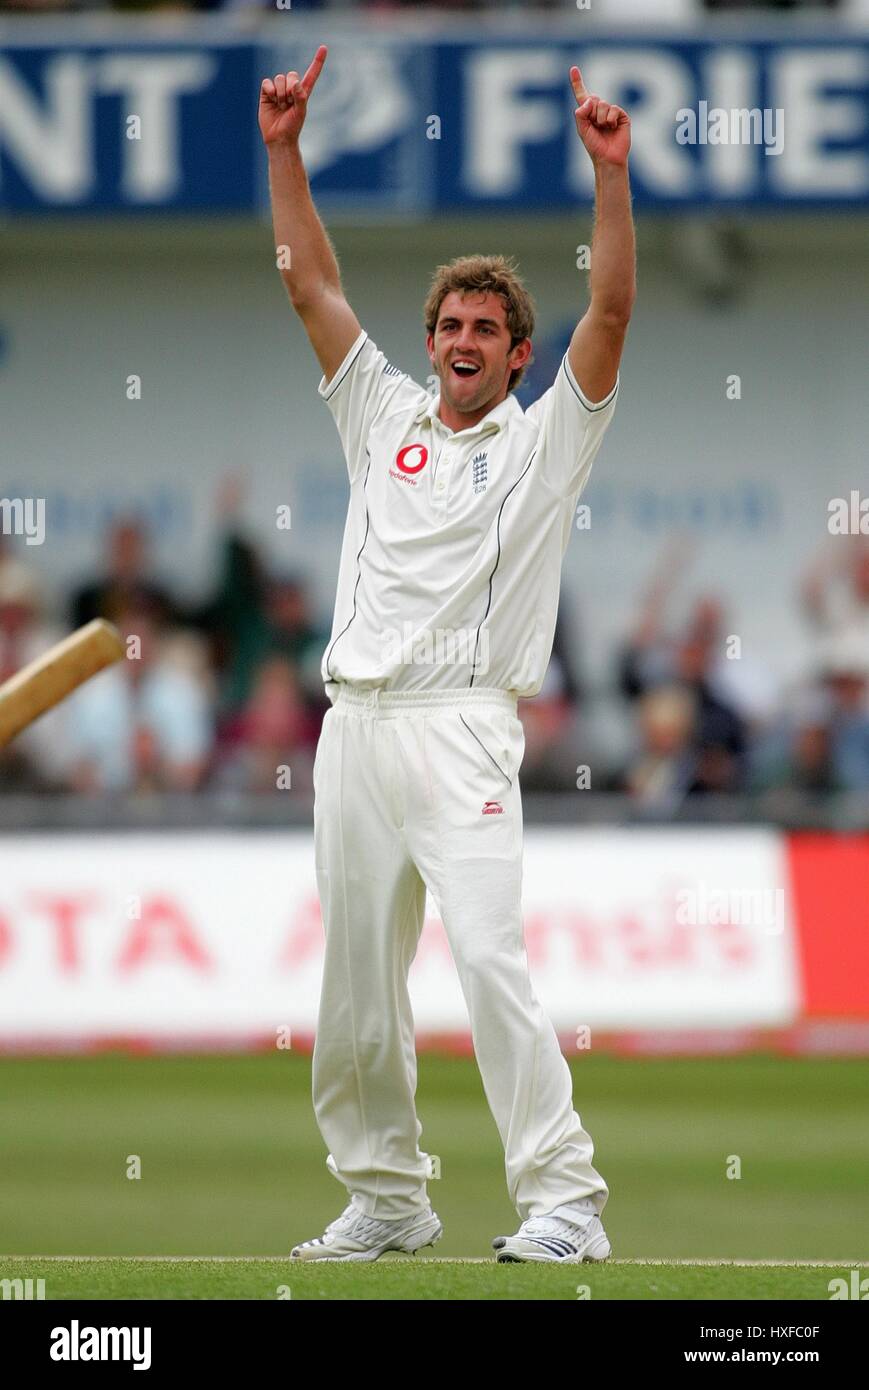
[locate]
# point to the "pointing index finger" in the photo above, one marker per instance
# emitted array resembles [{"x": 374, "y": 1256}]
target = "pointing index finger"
[
  {"x": 578, "y": 85},
  {"x": 310, "y": 78}
]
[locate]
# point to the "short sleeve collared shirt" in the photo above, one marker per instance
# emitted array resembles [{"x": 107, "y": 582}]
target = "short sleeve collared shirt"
[{"x": 451, "y": 560}]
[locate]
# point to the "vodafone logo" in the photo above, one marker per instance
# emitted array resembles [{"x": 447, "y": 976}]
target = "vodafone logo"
[{"x": 412, "y": 458}]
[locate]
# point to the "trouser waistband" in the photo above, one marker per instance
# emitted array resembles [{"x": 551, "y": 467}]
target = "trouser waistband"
[{"x": 388, "y": 703}]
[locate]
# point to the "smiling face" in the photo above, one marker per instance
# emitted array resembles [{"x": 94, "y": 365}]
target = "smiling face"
[{"x": 471, "y": 351}]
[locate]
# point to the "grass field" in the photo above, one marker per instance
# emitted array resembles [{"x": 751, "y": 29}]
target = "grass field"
[
  {"x": 233, "y": 1165},
  {"x": 417, "y": 1277}
]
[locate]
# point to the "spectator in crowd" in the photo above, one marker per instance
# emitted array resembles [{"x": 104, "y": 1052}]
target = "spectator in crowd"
[
  {"x": 37, "y": 760},
  {"x": 292, "y": 632},
  {"x": 812, "y": 764},
  {"x": 43, "y": 6},
  {"x": 272, "y": 695},
  {"x": 549, "y": 762},
  {"x": 19, "y": 606},
  {"x": 550, "y": 719},
  {"x": 254, "y": 615},
  {"x": 795, "y": 758},
  {"x": 270, "y": 743},
  {"x": 820, "y": 746},
  {"x": 144, "y": 724},
  {"x": 835, "y": 592},
  {"x": 124, "y": 586},
  {"x": 845, "y": 674},
  {"x": 468, "y": 6},
  {"x": 662, "y": 771},
  {"x": 654, "y": 658},
  {"x": 719, "y": 739}
]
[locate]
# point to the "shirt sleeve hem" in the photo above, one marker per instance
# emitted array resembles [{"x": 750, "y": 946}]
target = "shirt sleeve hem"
[
  {"x": 328, "y": 388},
  {"x": 591, "y": 406}
]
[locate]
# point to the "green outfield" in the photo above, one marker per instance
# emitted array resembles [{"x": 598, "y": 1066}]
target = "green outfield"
[
  {"x": 232, "y": 1165},
  {"x": 418, "y": 1277}
]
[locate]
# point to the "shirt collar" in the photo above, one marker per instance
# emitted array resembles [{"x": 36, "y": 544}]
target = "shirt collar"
[{"x": 506, "y": 411}]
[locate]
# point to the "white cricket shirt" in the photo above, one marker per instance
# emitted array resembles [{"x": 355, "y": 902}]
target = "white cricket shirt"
[{"x": 451, "y": 560}]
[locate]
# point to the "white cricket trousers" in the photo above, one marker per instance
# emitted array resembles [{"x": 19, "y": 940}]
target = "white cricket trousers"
[{"x": 416, "y": 791}]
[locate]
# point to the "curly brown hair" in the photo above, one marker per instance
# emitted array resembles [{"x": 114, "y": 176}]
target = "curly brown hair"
[{"x": 485, "y": 274}]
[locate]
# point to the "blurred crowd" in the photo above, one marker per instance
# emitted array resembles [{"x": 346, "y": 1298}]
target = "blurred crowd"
[
  {"x": 334, "y": 7},
  {"x": 227, "y": 694},
  {"x": 685, "y": 713},
  {"x": 629, "y": 10},
  {"x": 709, "y": 720},
  {"x": 224, "y": 694}
]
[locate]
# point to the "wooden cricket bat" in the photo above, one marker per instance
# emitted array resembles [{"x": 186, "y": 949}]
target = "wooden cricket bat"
[{"x": 46, "y": 681}]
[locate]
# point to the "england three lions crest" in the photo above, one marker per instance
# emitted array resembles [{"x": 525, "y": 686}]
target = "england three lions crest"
[{"x": 479, "y": 472}]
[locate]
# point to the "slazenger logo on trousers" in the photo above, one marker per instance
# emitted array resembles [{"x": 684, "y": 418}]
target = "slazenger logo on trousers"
[{"x": 76, "y": 1343}]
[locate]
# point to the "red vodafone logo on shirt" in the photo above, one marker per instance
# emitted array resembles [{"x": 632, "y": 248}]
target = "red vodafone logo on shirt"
[{"x": 412, "y": 458}]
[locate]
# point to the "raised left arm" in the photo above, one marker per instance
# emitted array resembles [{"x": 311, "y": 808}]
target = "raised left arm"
[{"x": 596, "y": 345}]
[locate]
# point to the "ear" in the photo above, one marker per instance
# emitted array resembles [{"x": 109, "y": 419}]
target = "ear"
[
  {"x": 429, "y": 347},
  {"x": 519, "y": 354}
]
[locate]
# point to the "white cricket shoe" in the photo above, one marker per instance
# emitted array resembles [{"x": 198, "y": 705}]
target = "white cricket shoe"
[
  {"x": 562, "y": 1236},
  {"x": 355, "y": 1236}
]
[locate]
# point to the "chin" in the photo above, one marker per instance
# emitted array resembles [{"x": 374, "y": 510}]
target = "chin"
[{"x": 465, "y": 404}]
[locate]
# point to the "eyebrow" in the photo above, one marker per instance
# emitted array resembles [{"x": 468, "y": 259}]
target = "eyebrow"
[{"x": 451, "y": 318}]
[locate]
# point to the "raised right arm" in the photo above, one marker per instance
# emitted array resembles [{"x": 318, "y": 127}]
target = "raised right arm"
[{"x": 311, "y": 277}]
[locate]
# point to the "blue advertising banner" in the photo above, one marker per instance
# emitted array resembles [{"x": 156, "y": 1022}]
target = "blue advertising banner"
[
  {"x": 409, "y": 125},
  {"x": 756, "y": 123},
  {"x": 128, "y": 127}
]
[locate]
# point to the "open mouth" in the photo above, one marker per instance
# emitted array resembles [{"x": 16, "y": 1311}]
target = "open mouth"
[{"x": 464, "y": 368}]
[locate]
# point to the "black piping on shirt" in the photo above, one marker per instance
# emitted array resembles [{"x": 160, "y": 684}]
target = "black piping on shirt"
[
  {"x": 601, "y": 405},
  {"x": 358, "y": 571},
  {"x": 333, "y": 385},
  {"x": 496, "y": 564}
]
